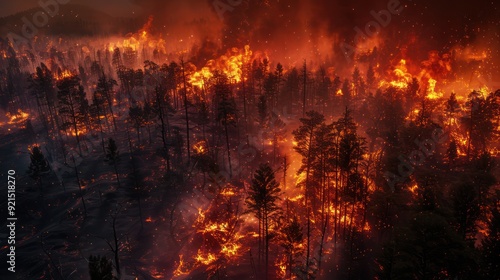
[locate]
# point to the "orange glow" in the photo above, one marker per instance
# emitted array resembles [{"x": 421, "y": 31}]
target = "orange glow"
[
  {"x": 296, "y": 198},
  {"x": 230, "y": 64},
  {"x": 282, "y": 267},
  {"x": 227, "y": 192},
  {"x": 81, "y": 131},
  {"x": 205, "y": 259},
  {"x": 230, "y": 250},
  {"x": 199, "y": 147},
  {"x": 215, "y": 227},
  {"x": 180, "y": 270},
  {"x": 413, "y": 189},
  {"x": 64, "y": 74},
  {"x": 431, "y": 90},
  {"x": 139, "y": 40},
  {"x": 401, "y": 77},
  {"x": 17, "y": 118}
]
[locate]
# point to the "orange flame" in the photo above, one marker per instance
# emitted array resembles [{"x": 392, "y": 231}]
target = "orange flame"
[
  {"x": 19, "y": 117},
  {"x": 230, "y": 64},
  {"x": 401, "y": 76}
]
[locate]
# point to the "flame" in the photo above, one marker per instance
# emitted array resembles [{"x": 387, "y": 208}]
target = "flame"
[
  {"x": 200, "y": 147},
  {"x": 18, "y": 117},
  {"x": 228, "y": 192},
  {"x": 139, "y": 40},
  {"x": 180, "y": 270},
  {"x": 401, "y": 77},
  {"x": 300, "y": 178},
  {"x": 230, "y": 64},
  {"x": 80, "y": 131},
  {"x": 215, "y": 227},
  {"x": 296, "y": 198},
  {"x": 413, "y": 189},
  {"x": 231, "y": 249},
  {"x": 65, "y": 74},
  {"x": 205, "y": 259},
  {"x": 282, "y": 266},
  {"x": 431, "y": 92}
]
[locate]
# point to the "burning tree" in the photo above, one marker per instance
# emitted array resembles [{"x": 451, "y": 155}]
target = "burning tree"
[
  {"x": 72, "y": 105},
  {"x": 226, "y": 109},
  {"x": 42, "y": 85},
  {"x": 305, "y": 138},
  {"x": 292, "y": 241}
]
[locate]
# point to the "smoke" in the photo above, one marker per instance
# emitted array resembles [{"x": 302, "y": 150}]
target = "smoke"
[
  {"x": 190, "y": 20},
  {"x": 293, "y": 30},
  {"x": 280, "y": 25}
]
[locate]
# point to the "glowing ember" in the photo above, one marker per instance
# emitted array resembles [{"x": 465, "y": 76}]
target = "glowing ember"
[
  {"x": 413, "y": 189},
  {"x": 18, "y": 117},
  {"x": 64, "y": 74},
  {"x": 180, "y": 270},
  {"x": 230, "y": 250},
  {"x": 205, "y": 259},
  {"x": 200, "y": 147}
]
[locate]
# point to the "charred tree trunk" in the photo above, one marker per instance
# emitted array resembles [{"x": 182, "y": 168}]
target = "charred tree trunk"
[
  {"x": 164, "y": 129},
  {"x": 188, "y": 147}
]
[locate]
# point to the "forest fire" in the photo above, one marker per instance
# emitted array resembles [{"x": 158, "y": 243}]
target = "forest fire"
[
  {"x": 177, "y": 151},
  {"x": 401, "y": 76},
  {"x": 231, "y": 64}
]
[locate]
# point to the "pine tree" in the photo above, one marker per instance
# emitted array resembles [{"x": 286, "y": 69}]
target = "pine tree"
[
  {"x": 136, "y": 115},
  {"x": 226, "y": 109},
  {"x": 41, "y": 83},
  {"x": 304, "y": 136},
  {"x": 262, "y": 202},
  {"x": 292, "y": 237},
  {"x": 72, "y": 102},
  {"x": 113, "y": 157},
  {"x": 103, "y": 91}
]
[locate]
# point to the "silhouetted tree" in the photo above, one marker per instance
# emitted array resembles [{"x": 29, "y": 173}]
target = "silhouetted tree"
[
  {"x": 490, "y": 246},
  {"x": 113, "y": 156},
  {"x": 291, "y": 240},
  {"x": 226, "y": 110},
  {"x": 72, "y": 102},
  {"x": 136, "y": 115},
  {"x": 262, "y": 202},
  {"x": 304, "y": 136}
]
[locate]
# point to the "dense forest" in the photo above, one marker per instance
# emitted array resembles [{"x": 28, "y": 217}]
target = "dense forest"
[{"x": 134, "y": 162}]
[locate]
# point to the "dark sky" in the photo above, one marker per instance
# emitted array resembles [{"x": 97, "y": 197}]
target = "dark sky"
[
  {"x": 114, "y": 7},
  {"x": 273, "y": 24}
]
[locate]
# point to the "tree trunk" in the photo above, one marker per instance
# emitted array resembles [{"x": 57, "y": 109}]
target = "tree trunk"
[{"x": 188, "y": 147}]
